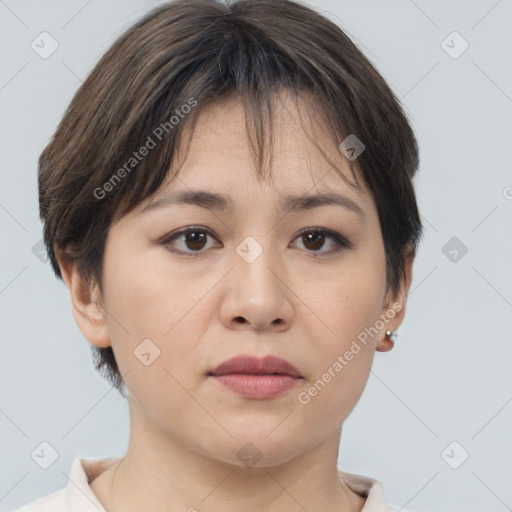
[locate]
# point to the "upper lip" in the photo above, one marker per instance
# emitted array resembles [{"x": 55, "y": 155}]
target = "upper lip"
[{"x": 256, "y": 366}]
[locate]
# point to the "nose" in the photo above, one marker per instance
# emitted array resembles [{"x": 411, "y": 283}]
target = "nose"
[{"x": 256, "y": 294}]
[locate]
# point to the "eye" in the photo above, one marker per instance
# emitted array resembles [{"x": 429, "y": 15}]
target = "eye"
[
  {"x": 194, "y": 239},
  {"x": 314, "y": 239}
]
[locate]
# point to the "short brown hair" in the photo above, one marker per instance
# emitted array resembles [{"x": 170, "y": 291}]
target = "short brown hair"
[{"x": 189, "y": 53}]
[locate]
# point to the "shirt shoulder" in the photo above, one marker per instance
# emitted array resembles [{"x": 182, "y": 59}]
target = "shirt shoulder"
[
  {"x": 78, "y": 495},
  {"x": 371, "y": 489}
]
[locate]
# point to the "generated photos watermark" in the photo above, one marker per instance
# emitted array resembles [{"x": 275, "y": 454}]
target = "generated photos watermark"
[
  {"x": 304, "y": 397},
  {"x": 157, "y": 135}
]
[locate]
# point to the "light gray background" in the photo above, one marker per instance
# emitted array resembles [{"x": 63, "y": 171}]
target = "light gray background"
[{"x": 449, "y": 376}]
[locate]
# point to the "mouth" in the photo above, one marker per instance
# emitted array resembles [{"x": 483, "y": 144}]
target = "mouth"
[
  {"x": 256, "y": 378},
  {"x": 250, "y": 365}
]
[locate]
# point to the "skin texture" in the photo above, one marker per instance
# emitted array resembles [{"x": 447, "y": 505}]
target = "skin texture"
[{"x": 186, "y": 429}]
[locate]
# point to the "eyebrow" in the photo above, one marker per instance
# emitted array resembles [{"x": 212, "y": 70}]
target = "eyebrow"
[{"x": 224, "y": 203}]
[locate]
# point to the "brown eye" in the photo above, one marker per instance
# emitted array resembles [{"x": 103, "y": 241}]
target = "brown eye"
[
  {"x": 315, "y": 239},
  {"x": 188, "y": 241},
  {"x": 195, "y": 240}
]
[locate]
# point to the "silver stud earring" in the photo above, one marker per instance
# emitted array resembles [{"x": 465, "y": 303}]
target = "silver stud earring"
[{"x": 392, "y": 335}]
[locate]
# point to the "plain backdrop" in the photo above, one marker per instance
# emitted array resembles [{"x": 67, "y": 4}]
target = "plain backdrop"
[{"x": 434, "y": 421}]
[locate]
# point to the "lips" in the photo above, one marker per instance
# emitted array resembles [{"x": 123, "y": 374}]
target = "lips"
[{"x": 250, "y": 365}]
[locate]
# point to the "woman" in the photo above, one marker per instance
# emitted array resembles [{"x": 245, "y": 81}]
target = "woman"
[{"x": 229, "y": 201}]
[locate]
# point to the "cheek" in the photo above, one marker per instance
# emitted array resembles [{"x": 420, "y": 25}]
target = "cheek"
[
  {"x": 156, "y": 320},
  {"x": 346, "y": 300},
  {"x": 145, "y": 292},
  {"x": 342, "y": 359},
  {"x": 342, "y": 338}
]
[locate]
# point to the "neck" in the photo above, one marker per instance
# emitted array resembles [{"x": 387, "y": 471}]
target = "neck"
[{"x": 159, "y": 473}]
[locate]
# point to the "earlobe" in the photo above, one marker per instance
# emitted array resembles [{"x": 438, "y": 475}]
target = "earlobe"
[
  {"x": 86, "y": 302},
  {"x": 387, "y": 343},
  {"x": 395, "y": 307}
]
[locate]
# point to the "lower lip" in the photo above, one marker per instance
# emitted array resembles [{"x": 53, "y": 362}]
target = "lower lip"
[{"x": 257, "y": 386}]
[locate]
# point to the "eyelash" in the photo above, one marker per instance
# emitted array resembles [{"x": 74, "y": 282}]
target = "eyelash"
[{"x": 341, "y": 242}]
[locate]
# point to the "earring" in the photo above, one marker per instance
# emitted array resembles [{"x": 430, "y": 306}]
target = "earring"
[{"x": 392, "y": 335}]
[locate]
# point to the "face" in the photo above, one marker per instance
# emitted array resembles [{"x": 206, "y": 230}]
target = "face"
[{"x": 305, "y": 284}]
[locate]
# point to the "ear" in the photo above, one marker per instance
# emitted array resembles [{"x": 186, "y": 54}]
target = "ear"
[
  {"x": 394, "y": 308},
  {"x": 86, "y": 302}
]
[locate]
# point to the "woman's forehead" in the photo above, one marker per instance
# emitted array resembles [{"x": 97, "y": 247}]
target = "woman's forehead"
[{"x": 303, "y": 148}]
